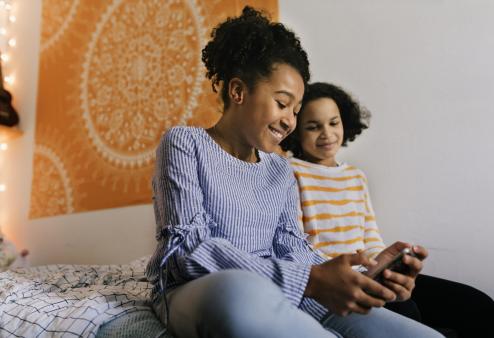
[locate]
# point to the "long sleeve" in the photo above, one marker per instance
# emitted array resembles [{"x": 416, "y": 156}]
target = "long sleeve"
[
  {"x": 372, "y": 238},
  {"x": 289, "y": 242},
  {"x": 185, "y": 228}
]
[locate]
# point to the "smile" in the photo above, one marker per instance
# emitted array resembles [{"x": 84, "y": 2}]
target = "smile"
[
  {"x": 327, "y": 145},
  {"x": 278, "y": 135}
]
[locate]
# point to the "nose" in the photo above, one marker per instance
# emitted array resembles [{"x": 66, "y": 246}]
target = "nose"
[
  {"x": 289, "y": 122},
  {"x": 326, "y": 132}
]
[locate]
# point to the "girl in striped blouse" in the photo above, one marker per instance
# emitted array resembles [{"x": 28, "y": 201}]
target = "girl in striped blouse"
[
  {"x": 338, "y": 215},
  {"x": 230, "y": 260}
]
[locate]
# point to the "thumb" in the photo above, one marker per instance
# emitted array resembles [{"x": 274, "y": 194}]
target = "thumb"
[{"x": 359, "y": 259}]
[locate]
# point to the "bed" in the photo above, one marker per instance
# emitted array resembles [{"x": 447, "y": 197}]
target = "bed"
[{"x": 77, "y": 301}]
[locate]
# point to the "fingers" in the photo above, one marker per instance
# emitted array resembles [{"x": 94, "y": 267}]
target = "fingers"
[
  {"x": 376, "y": 290},
  {"x": 401, "y": 292},
  {"x": 414, "y": 265},
  {"x": 359, "y": 259},
  {"x": 398, "y": 278},
  {"x": 397, "y": 247},
  {"x": 400, "y": 284},
  {"x": 361, "y": 309},
  {"x": 367, "y": 300},
  {"x": 360, "y": 303},
  {"x": 420, "y": 251}
]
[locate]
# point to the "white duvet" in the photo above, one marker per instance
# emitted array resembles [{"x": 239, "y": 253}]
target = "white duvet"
[{"x": 69, "y": 300}]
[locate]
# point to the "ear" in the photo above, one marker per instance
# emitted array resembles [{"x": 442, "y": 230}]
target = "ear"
[{"x": 236, "y": 90}]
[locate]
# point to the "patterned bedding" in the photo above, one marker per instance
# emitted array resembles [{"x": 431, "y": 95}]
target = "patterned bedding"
[{"x": 70, "y": 300}]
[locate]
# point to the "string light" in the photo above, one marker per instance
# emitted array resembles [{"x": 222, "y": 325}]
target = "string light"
[
  {"x": 9, "y": 79},
  {"x": 7, "y": 41}
]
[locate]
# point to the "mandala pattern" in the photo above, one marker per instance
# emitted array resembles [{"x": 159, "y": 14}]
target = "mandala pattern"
[
  {"x": 52, "y": 191},
  {"x": 56, "y": 17},
  {"x": 114, "y": 75},
  {"x": 137, "y": 80}
]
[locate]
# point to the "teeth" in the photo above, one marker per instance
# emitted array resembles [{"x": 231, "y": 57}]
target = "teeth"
[{"x": 276, "y": 133}]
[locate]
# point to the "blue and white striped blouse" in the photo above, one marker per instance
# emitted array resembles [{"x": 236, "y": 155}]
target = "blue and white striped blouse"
[{"x": 216, "y": 212}]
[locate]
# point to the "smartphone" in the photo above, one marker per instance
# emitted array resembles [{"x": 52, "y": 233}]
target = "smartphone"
[{"x": 396, "y": 264}]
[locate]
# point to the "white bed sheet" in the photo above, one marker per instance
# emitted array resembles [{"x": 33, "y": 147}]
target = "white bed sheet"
[{"x": 70, "y": 300}]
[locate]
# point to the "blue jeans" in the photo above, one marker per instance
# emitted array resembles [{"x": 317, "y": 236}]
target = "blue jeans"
[{"x": 241, "y": 304}]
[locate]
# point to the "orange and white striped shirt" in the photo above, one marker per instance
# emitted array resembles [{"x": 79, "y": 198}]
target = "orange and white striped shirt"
[{"x": 336, "y": 209}]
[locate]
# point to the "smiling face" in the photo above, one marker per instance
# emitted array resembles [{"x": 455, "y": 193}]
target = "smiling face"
[
  {"x": 267, "y": 113},
  {"x": 320, "y": 131}
]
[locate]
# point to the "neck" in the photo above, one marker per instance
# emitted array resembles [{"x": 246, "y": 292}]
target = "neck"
[
  {"x": 226, "y": 135},
  {"x": 328, "y": 162}
]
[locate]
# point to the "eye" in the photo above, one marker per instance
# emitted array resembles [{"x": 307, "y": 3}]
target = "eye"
[
  {"x": 281, "y": 105},
  {"x": 311, "y": 127},
  {"x": 334, "y": 123}
]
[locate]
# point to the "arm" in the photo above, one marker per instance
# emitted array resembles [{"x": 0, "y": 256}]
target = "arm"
[
  {"x": 289, "y": 242},
  {"x": 401, "y": 285},
  {"x": 373, "y": 242},
  {"x": 186, "y": 227},
  {"x": 334, "y": 283}
]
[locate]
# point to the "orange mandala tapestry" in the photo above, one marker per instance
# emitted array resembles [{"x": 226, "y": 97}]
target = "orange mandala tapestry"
[{"x": 113, "y": 76}]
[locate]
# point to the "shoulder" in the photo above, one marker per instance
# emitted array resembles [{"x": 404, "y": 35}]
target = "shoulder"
[
  {"x": 182, "y": 138},
  {"x": 303, "y": 167},
  {"x": 178, "y": 143},
  {"x": 298, "y": 163},
  {"x": 355, "y": 171},
  {"x": 278, "y": 166},
  {"x": 276, "y": 161},
  {"x": 181, "y": 133}
]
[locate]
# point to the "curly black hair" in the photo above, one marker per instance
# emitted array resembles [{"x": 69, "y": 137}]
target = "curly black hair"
[
  {"x": 354, "y": 117},
  {"x": 247, "y": 47}
]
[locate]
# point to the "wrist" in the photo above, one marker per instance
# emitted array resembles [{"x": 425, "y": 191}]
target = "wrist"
[{"x": 310, "y": 289}]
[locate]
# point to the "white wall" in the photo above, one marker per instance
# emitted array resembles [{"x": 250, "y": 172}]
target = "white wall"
[{"x": 423, "y": 67}]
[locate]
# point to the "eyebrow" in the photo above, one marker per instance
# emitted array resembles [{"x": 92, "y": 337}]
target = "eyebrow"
[
  {"x": 287, "y": 94},
  {"x": 314, "y": 121}
]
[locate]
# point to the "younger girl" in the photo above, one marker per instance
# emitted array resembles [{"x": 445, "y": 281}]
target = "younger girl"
[{"x": 338, "y": 215}]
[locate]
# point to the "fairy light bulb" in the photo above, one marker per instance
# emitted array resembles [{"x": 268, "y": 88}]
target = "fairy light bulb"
[
  {"x": 4, "y": 146},
  {"x": 9, "y": 79},
  {"x": 12, "y": 42},
  {"x": 3, "y": 187}
]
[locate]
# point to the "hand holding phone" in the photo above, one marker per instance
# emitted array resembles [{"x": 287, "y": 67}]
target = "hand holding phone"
[{"x": 395, "y": 264}]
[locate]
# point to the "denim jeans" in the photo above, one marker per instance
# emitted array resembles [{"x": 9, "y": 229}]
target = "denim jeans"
[{"x": 241, "y": 304}]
